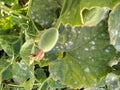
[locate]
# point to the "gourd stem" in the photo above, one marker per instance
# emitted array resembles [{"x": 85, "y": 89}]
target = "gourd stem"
[{"x": 58, "y": 24}]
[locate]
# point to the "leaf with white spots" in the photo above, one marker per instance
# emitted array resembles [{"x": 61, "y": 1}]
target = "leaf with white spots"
[
  {"x": 21, "y": 72},
  {"x": 114, "y": 27},
  {"x": 43, "y": 12},
  {"x": 72, "y": 10},
  {"x": 113, "y": 81},
  {"x": 87, "y": 53}
]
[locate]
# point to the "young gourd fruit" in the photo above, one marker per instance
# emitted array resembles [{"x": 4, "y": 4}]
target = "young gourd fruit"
[
  {"x": 48, "y": 39},
  {"x": 47, "y": 42}
]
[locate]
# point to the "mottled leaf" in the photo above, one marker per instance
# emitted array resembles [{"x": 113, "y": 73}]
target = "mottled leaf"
[
  {"x": 113, "y": 81},
  {"x": 21, "y": 72},
  {"x": 87, "y": 53},
  {"x": 43, "y": 12},
  {"x": 114, "y": 27},
  {"x": 6, "y": 47}
]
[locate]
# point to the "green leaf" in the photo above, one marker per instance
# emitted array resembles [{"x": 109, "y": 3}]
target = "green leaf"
[
  {"x": 10, "y": 44},
  {"x": 43, "y": 12},
  {"x": 92, "y": 17},
  {"x": 87, "y": 52},
  {"x": 100, "y": 86},
  {"x": 9, "y": 36},
  {"x": 114, "y": 27},
  {"x": 7, "y": 48},
  {"x": 26, "y": 49},
  {"x": 50, "y": 84},
  {"x": 4, "y": 64},
  {"x": 113, "y": 81},
  {"x": 72, "y": 10},
  {"x": 21, "y": 72},
  {"x": 43, "y": 63},
  {"x": 17, "y": 45},
  {"x": 7, "y": 74},
  {"x": 40, "y": 75},
  {"x": 28, "y": 85}
]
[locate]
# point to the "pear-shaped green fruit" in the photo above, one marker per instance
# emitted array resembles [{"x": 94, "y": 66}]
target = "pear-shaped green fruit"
[{"x": 48, "y": 39}]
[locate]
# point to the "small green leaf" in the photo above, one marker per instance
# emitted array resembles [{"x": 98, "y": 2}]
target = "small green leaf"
[
  {"x": 40, "y": 75},
  {"x": 26, "y": 49},
  {"x": 3, "y": 67},
  {"x": 10, "y": 44},
  {"x": 114, "y": 27},
  {"x": 7, "y": 74},
  {"x": 87, "y": 52}
]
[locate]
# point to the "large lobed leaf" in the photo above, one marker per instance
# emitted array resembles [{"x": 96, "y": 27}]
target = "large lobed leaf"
[
  {"x": 72, "y": 10},
  {"x": 87, "y": 55}
]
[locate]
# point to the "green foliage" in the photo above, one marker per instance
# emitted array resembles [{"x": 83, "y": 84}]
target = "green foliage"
[
  {"x": 6, "y": 23},
  {"x": 80, "y": 39},
  {"x": 83, "y": 62}
]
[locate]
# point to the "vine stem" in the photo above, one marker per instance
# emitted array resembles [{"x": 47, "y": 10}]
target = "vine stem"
[
  {"x": 58, "y": 24},
  {"x": 28, "y": 13}
]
